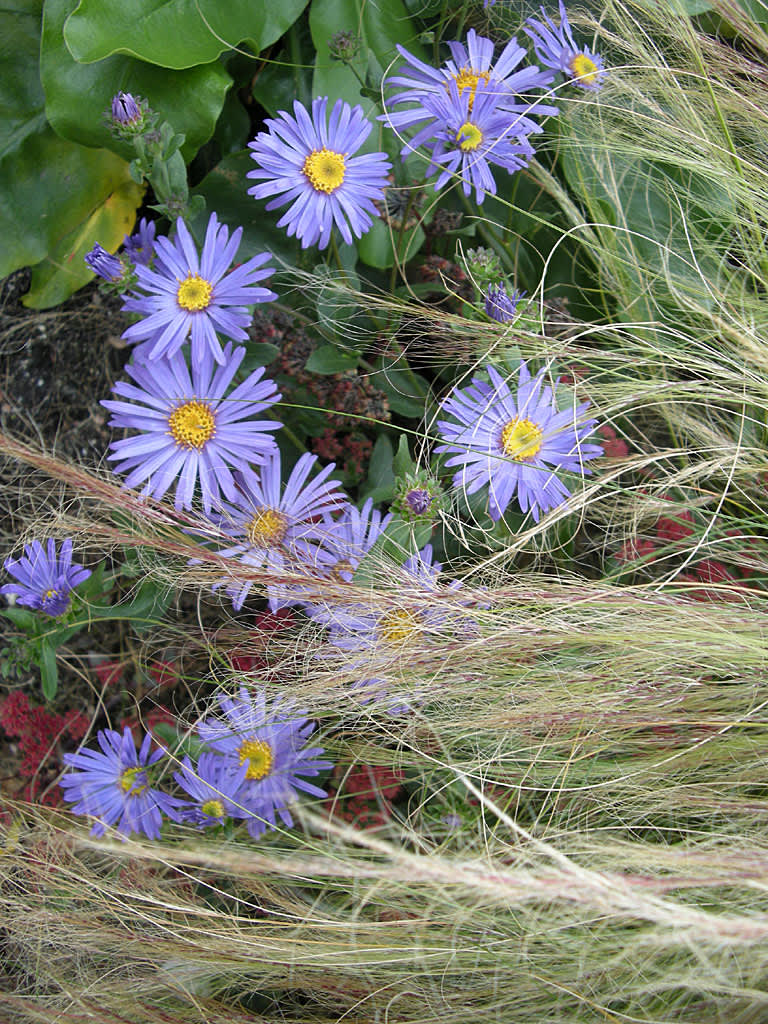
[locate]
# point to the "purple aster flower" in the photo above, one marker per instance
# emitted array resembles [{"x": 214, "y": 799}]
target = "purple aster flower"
[
  {"x": 191, "y": 295},
  {"x": 359, "y": 627},
  {"x": 471, "y": 66},
  {"x": 270, "y": 743},
  {"x": 499, "y": 306},
  {"x": 515, "y": 443},
  {"x": 467, "y": 141},
  {"x": 45, "y": 580},
  {"x": 140, "y": 247},
  {"x": 113, "y": 786},
  {"x": 213, "y": 787},
  {"x": 105, "y": 264},
  {"x": 189, "y": 427},
  {"x": 556, "y": 49},
  {"x": 311, "y": 165},
  {"x": 276, "y": 528}
]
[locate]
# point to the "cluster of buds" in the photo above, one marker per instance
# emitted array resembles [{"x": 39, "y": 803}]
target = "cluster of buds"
[{"x": 483, "y": 266}]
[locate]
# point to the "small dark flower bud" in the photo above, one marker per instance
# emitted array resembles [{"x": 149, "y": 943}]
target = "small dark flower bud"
[{"x": 344, "y": 46}]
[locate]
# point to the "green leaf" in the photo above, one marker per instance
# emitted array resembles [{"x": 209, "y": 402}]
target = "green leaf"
[
  {"x": 21, "y": 96},
  {"x": 258, "y": 353},
  {"x": 225, "y": 190},
  {"x": 48, "y": 670},
  {"x": 381, "y": 478},
  {"x": 398, "y": 542},
  {"x": 403, "y": 464},
  {"x": 178, "y": 745},
  {"x": 670, "y": 220},
  {"x": 175, "y": 33},
  {"x": 407, "y": 392},
  {"x": 78, "y": 95},
  {"x": 143, "y": 611},
  {"x": 48, "y": 189},
  {"x": 22, "y": 618},
  {"x": 328, "y": 359},
  {"x": 65, "y": 270}
]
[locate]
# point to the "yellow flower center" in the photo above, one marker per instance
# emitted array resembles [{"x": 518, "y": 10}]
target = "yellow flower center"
[
  {"x": 128, "y": 780},
  {"x": 521, "y": 439},
  {"x": 194, "y": 293},
  {"x": 325, "y": 170},
  {"x": 49, "y": 594},
  {"x": 258, "y": 754},
  {"x": 342, "y": 566},
  {"x": 398, "y": 626},
  {"x": 469, "y": 137},
  {"x": 267, "y": 528},
  {"x": 213, "y": 808},
  {"x": 192, "y": 424},
  {"x": 468, "y": 78},
  {"x": 585, "y": 69}
]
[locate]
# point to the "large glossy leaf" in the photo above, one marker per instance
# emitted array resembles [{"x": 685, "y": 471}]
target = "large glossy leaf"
[
  {"x": 64, "y": 270},
  {"x": 175, "y": 33},
  {"x": 77, "y": 95},
  {"x": 50, "y": 189},
  {"x": 672, "y": 223},
  {"x": 21, "y": 96}
]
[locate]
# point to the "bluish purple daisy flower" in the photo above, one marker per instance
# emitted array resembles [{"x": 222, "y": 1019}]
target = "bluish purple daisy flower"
[
  {"x": 515, "y": 442},
  {"x": 45, "y": 579},
  {"x": 359, "y": 627},
  {"x": 466, "y": 142},
  {"x": 140, "y": 246},
  {"x": 556, "y": 49},
  {"x": 471, "y": 67},
  {"x": 213, "y": 787},
  {"x": 113, "y": 785},
  {"x": 191, "y": 295},
  {"x": 189, "y": 427},
  {"x": 270, "y": 743},
  {"x": 105, "y": 264},
  {"x": 500, "y": 306},
  {"x": 310, "y": 164},
  {"x": 350, "y": 537},
  {"x": 278, "y": 529}
]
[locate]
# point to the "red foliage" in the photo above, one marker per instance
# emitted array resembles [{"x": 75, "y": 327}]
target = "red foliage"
[
  {"x": 38, "y": 730},
  {"x": 364, "y": 794},
  {"x": 613, "y": 446}
]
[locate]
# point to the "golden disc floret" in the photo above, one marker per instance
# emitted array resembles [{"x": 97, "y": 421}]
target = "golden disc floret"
[
  {"x": 521, "y": 439},
  {"x": 259, "y": 756},
  {"x": 469, "y": 137},
  {"x": 194, "y": 293},
  {"x": 324, "y": 169},
  {"x": 468, "y": 78},
  {"x": 267, "y": 528},
  {"x": 585, "y": 69},
  {"x": 192, "y": 424}
]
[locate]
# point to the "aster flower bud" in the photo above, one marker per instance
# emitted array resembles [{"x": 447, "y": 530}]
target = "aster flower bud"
[
  {"x": 483, "y": 266},
  {"x": 103, "y": 263},
  {"x": 500, "y": 306},
  {"x": 128, "y": 115},
  {"x": 344, "y": 46},
  {"x": 418, "y": 498}
]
